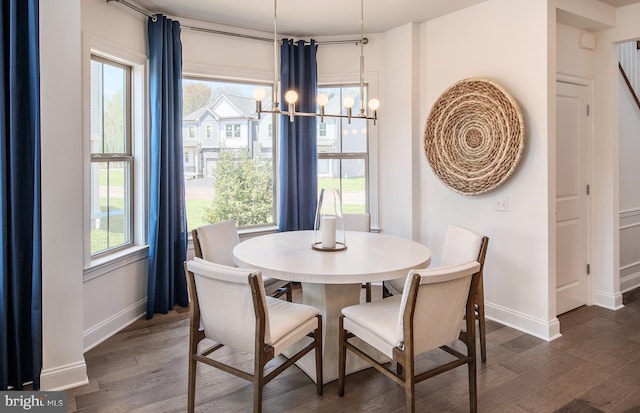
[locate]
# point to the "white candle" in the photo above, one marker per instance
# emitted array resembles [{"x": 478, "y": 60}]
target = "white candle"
[{"x": 329, "y": 232}]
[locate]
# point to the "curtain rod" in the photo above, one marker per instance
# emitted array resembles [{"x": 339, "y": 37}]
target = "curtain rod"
[{"x": 224, "y": 33}]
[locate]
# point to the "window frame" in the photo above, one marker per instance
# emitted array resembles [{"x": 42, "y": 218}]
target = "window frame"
[
  {"x": 341, "y": 156},
  {"x": 230, "y": 125},
  {"x": 96, "y": 266},
  {"x": 125, "y": 157},
  {"x": 350, "y": 79}
]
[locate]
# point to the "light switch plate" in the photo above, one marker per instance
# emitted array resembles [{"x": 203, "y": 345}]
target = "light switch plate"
[{"x": 502, "y": 204}]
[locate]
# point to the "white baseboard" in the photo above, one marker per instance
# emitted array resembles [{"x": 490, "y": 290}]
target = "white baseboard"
[
  {"x": 609, "y": 300},
  {"x": 546, "y": 330},
  {"x": 629, "y": 282},
  {"x": 107, "y": 328},
  {"x": 64, "y": 377}
]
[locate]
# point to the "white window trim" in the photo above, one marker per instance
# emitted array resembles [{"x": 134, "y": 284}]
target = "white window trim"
[
  {"x": 94, "y": 46},
  {"x": 371, "y": 78},
  {"x": 223, "y": 73}
]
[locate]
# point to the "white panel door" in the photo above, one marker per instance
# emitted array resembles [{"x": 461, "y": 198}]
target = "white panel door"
[{"x": 572, "y": 232}]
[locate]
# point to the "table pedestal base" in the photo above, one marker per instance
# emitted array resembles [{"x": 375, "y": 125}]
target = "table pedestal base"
[{"x": 330, "y": 299}]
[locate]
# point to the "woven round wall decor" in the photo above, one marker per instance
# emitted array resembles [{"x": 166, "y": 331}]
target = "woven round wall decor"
[{"x": 474, "y": 136}]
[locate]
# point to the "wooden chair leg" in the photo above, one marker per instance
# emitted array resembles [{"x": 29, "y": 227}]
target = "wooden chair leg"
[
  {"x": 385, "y": 291},
  {"x": 289, "y": 292},
  {"x": 191, "y": 391},
  {"x": 367, "y": 287},
  {"x": 258, "y": 382},
  {"x": 483, "y": 332},
  {"x": 342, "y": 356},
  {"x": 473, "y": 387},
  {"x": 409, "y": 388},
  {"x": 482, "y": 328},
  {"x": 318, "y": 350}
]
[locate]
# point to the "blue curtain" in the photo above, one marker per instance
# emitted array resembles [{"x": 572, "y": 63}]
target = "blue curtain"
[
  {"x": 167, "y": 220},
  {"x": 298, "y": 164},
  {"x": 21, "y": 242}
]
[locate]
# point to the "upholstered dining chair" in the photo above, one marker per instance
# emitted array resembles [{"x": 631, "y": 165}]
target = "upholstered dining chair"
[
  {"x": 229, "y": 307},
  {"x": 427, "y": 316},
  {"x": 462, "y": 245},
  {"x": 359, "y": 222},
  {"x": 215, "y": 242}
]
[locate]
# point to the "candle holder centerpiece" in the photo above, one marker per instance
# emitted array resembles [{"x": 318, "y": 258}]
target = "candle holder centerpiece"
[{"x": 328, "y": 231}]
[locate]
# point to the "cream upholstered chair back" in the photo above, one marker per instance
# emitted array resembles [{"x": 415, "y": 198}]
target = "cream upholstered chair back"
[
  {"x": 460, "y": 245},
  {"x": 226, "y": 304},
  {"x": 357, "y": 222},
  {"x": 216, "y": 242},
  {"x": 427, "y": 316},
  {"x": 229, "y": 306},
  {"x": 440, "y": 304}
]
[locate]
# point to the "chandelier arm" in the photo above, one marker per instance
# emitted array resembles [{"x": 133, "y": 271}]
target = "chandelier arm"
[{"x": 291, "y": 112}]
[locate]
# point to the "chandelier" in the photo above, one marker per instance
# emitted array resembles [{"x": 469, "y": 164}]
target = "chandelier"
[{"x": 291, "y": 96}]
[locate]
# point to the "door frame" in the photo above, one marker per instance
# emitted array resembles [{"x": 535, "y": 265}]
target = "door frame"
[{"x": 579, "y": 81}]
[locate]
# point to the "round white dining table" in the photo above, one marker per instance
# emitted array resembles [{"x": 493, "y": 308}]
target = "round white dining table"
[{"x": 331, "y": 280}]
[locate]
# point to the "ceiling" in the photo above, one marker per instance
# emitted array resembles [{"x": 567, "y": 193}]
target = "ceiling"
[{"x": 304, "y": 18}]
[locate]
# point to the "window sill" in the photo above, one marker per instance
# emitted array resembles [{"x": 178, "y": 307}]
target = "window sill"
[
  {"x": 256, "y": 231},
  {"x": 105, "y": 265}
]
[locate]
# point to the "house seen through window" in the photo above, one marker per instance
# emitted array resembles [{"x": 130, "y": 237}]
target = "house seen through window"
[
  {"x": 229, "y": 172},
  {"x": 232, "y": 176}
]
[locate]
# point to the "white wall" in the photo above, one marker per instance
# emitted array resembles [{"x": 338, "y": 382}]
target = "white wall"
[
  {"x": 506, "y": 42},
  {"x": 114, "y": 294},
  {"x": 62, "y": 298},
  {"x": 573, "y": 60},
  {"x": 611, "y": 120},
  {"x": 399, "y": 155},
  {"x": 629, "y": 146},
  {"x": 629, "y": 153}
]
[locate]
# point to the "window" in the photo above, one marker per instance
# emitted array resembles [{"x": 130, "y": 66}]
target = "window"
[
  {"x": 343, "y": 151},
  {"x": 208, "y": 131},
  {"x": 232, "y": 130},
  {"x": 192, "y": 132},
  {"x": 111, "y": 156},
  {"x": 232, "y": 179},
  {"x": 323, "y": 129},
  {"x": 187, "y": 159}
]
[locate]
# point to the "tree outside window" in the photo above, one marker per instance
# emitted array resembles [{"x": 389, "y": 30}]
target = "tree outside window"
[{"x": 232, "y": 178}]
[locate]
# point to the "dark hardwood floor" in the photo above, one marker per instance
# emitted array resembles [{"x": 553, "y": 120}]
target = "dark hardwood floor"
[{"x": 593, "y": 367}]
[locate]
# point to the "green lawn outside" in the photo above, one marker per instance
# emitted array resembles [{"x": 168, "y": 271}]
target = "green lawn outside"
[
  {"x": 196, "y": 208},
  {"x": 101, "y": 239},
  {"x": 117, "y": 175},
  {"x": 348, "y": 185}
]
